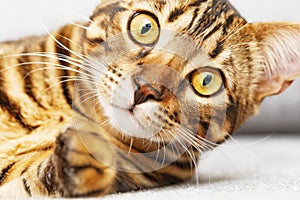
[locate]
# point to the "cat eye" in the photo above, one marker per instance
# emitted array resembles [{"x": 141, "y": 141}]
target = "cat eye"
[
  {"x": 207, "y": 81},
  {"x": 144, "y": 28}
]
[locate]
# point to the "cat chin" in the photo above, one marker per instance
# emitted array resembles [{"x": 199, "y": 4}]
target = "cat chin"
[{"x": 144, "y": 121}]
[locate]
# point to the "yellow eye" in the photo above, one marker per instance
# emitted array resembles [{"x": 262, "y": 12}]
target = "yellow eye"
[
  {"x": 144, "y": 29},
  {"x": 207, "y": 81}
]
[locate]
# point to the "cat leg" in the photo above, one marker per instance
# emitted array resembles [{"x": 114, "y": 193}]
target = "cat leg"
[
  {"x": 71, "y": 168},
  {"x": 74, "y": 170}
]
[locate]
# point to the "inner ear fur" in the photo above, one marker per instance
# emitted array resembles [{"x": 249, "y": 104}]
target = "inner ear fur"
[{"x": 280, "y": 43}]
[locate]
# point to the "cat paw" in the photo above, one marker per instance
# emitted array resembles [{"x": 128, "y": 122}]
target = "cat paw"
[{"x": 76, "y": 169}]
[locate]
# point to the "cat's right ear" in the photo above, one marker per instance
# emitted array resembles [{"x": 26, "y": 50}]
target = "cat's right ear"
[{"x": 280, "y": 43}]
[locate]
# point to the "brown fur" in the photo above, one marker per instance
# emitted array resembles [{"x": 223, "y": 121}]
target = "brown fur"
[{"x": 58, "y": 139}]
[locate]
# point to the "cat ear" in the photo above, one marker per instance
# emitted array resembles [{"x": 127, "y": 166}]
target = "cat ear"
[{"x": 280, "y": 43}]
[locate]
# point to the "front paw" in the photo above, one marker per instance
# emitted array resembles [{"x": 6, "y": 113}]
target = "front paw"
[{"x": 83, "y": 169}]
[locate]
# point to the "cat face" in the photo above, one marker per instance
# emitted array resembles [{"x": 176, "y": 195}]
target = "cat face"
[{"x": 188, "y": 69}]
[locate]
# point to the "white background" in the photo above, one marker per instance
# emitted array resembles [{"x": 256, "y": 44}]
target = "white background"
[{"x": 26, "y": 17}]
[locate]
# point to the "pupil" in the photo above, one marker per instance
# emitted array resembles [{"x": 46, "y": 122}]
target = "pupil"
[
  {"x": 207, "y": 80},
  {"x": 146, "y": 28}
]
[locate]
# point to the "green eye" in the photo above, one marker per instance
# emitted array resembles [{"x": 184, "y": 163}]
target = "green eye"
[
  {"x": 207, "y": 81},
  {"x": 144, "y": 29}
]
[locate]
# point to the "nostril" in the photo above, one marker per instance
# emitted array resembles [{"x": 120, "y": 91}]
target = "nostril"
[
  {"x": 145, "y": 92},
  {"x": 151, "y": 97}
]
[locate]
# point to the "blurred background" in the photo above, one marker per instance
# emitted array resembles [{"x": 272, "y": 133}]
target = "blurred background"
[{"x": 279, "y": 114}]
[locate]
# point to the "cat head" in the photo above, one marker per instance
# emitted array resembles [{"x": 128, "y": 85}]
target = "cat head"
[{"x": 188, "y": 68}]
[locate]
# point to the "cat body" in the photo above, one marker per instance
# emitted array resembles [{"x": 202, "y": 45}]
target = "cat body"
[{"x": 129, "y": 100}]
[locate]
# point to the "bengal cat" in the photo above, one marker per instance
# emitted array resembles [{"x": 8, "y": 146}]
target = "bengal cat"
[{"x": 132, "y": 98}]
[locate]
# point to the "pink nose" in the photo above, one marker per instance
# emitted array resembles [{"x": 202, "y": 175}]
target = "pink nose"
[{"x": 145, "y": 92}]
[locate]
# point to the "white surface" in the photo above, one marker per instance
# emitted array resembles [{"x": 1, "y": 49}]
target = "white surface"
[
  {"x": 20, "y": 18},
  {"x": 249, "y": 168},
  {"x": 26, "y": 17}
]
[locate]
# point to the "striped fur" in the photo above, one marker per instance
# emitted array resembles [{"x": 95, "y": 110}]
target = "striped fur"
[{"x": 47, "y": 97}]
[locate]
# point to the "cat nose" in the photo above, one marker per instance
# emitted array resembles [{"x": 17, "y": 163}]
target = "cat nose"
[{"x": 145, "y": 92}]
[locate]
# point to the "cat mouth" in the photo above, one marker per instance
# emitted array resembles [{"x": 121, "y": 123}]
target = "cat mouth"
[
  {"x": 131, "y": 113},
  {"x": 134, "y": 121},
  {"x": 129, "y": 109}
]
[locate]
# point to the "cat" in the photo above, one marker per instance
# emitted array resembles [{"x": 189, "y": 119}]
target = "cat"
[{"x": 132, "y": 98}]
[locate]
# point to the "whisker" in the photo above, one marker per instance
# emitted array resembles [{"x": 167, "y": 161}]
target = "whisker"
[
  {"x": 172, "y": 145},
  {"x": 56, "y": 84},
  {"x": 62, "y": 45},
  {"x": 89, "y": 61},
  {"x": 191, "y": 138},
  {"x": 185, "y": 148},
  {"x": 92, "y": 22},
  {"x": 79, "y": 25},
  {"x": 89, "y": 98},
  {"x": 59, "y": 66},
  {"x": 164, "y": 158},
  {"x": 41, "y": 54},
  {"x": 75, "y": 79},
  {"x": 157, "y": 154},
  {"x": 131, "y": 145},
  {"x": 196, "y": 169},
  {"x": 104, "y": 122}
]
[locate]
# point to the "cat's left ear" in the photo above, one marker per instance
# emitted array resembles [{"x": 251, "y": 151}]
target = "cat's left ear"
[{"x": 280, "y": 43}]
